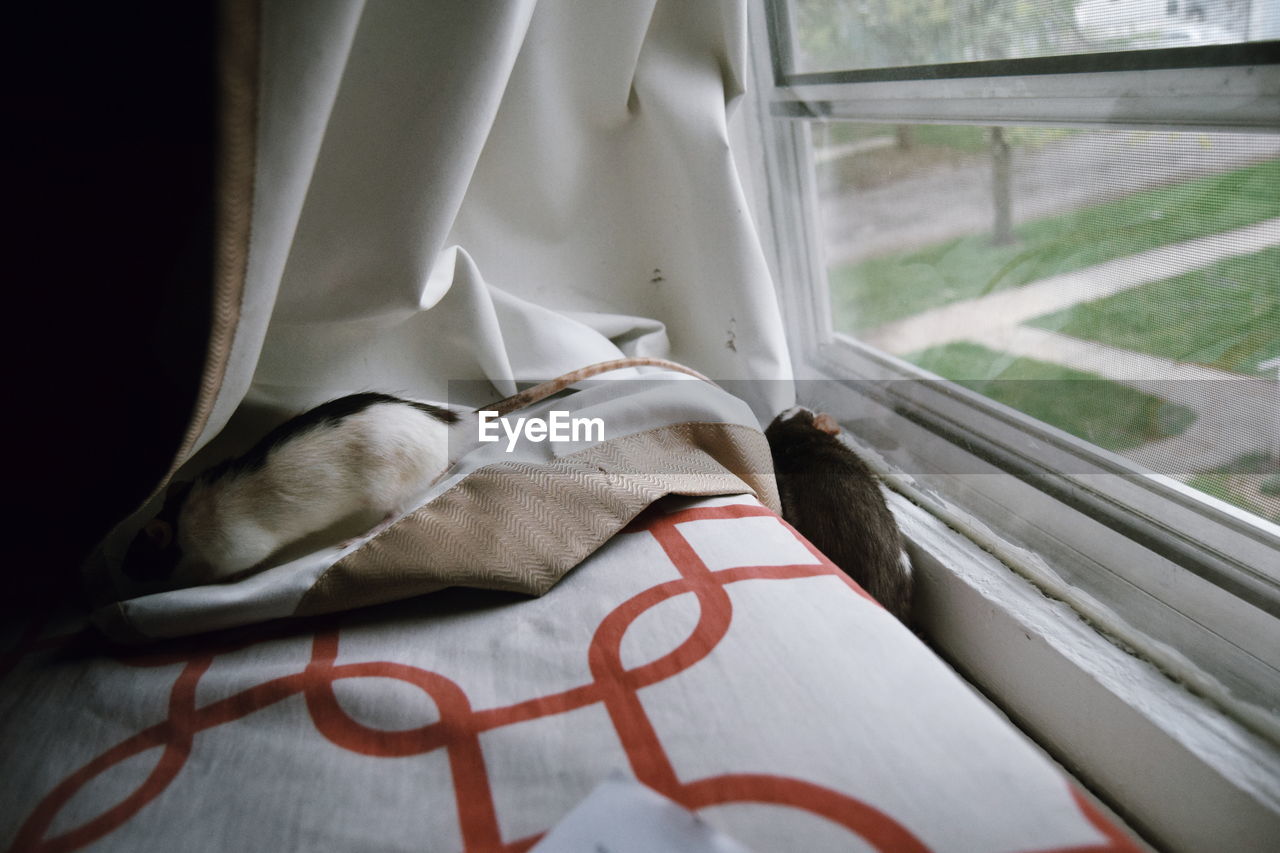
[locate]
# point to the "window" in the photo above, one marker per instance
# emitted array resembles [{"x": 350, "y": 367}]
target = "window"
[
  {"x": 1121, "y": 285},
  {"x": 1030, "y": 256},
  {"x": 873, "y": 36}
]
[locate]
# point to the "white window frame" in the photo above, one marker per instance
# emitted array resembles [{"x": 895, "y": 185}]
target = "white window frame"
[{"x": 1162, "y": 736}]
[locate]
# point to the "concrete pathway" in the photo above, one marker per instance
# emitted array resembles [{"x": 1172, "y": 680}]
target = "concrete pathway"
[{"x": 976, "y": 317}]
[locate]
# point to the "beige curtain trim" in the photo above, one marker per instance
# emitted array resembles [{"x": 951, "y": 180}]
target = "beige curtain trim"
[
  {"x": 238, "y": 61},
  {"x": 520, "y": 527}
]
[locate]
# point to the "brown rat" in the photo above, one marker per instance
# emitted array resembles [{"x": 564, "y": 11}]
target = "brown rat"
[{"x": 833, "y": 499}]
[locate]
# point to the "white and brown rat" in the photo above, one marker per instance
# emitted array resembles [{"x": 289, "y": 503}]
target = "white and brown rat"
[
  {"x": 833, "y": 499},
  {"x": 346, "y": 467},
  {"x": 349, "y": 464}
]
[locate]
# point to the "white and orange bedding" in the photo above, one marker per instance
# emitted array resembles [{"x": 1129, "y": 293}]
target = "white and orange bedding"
[{"x": 707, "y": 650}]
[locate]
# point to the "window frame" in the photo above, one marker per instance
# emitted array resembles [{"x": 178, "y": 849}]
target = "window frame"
[
  {"x": 1238, "y": 97},
  {"x": 1126, "y": 522}
]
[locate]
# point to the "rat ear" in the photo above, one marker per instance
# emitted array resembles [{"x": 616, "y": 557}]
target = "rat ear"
[
  {"x": 827, "y": 424},
  {"x": 160, "y": 533}
]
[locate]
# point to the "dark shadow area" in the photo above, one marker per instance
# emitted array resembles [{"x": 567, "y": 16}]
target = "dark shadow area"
[{"x": 115, "y": 119}]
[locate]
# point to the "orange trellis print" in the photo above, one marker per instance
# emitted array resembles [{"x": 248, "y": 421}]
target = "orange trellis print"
[{"x": 458, "y": 729}]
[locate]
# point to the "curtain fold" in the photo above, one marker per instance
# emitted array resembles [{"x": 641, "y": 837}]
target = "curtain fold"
[
  {"x": 302, "y": 53},
  {"x": 588, "y": 203},
  {"x": 492, "y": 191},
  {"x": 463, "y": 190},
  {"x": 451, "y": 197}
]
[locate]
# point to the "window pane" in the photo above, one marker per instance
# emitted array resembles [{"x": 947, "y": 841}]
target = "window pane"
[
  {"x": 831, "y": 35},
  {"x": 1123, "y": 286}
]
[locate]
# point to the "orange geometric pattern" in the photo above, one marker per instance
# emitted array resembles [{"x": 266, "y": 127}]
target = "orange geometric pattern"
[{"x": 458, "y": 729}]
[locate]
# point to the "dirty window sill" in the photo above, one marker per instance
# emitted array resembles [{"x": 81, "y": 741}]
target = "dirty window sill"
[{"x": 1181, "y": 772}]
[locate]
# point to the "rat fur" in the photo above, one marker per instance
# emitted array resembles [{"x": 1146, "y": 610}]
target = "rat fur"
[
  {"x": 832, "y": 498},
  {"x": 346, "y": 465}
]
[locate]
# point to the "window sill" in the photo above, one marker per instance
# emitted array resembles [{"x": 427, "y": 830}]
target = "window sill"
[{"x": 1182, "y": 773}]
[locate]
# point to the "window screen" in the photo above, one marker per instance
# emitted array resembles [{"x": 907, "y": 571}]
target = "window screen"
[
  {"x": 1121, "y": 285},
  {"x": 1074, "y": 219},
  {"x": 831, "y": 35}
]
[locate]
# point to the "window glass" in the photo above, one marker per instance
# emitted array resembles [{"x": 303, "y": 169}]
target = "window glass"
[
  {"x": 830, "y": 35},
  {"x": 1121, "y": 285}
]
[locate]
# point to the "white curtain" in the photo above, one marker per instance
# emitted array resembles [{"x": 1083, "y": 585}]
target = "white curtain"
[{"x": 497, "y": 190}]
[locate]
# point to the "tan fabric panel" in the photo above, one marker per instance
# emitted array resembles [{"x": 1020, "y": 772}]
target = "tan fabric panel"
[
  {"x": 520, "y": 527},
  {"x": 237, "y": 136}
]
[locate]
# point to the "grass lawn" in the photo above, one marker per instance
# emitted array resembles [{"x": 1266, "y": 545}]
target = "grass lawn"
[
  {"x": 1250, "y": 482},
  {"x": 1226, "y": 315},
  {"x": 876, "y": 291},
  {"x": 1108, "y": 414}
]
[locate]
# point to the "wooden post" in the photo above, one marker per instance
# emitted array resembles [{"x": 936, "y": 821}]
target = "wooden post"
[{"x": 1001, "y": 188}]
